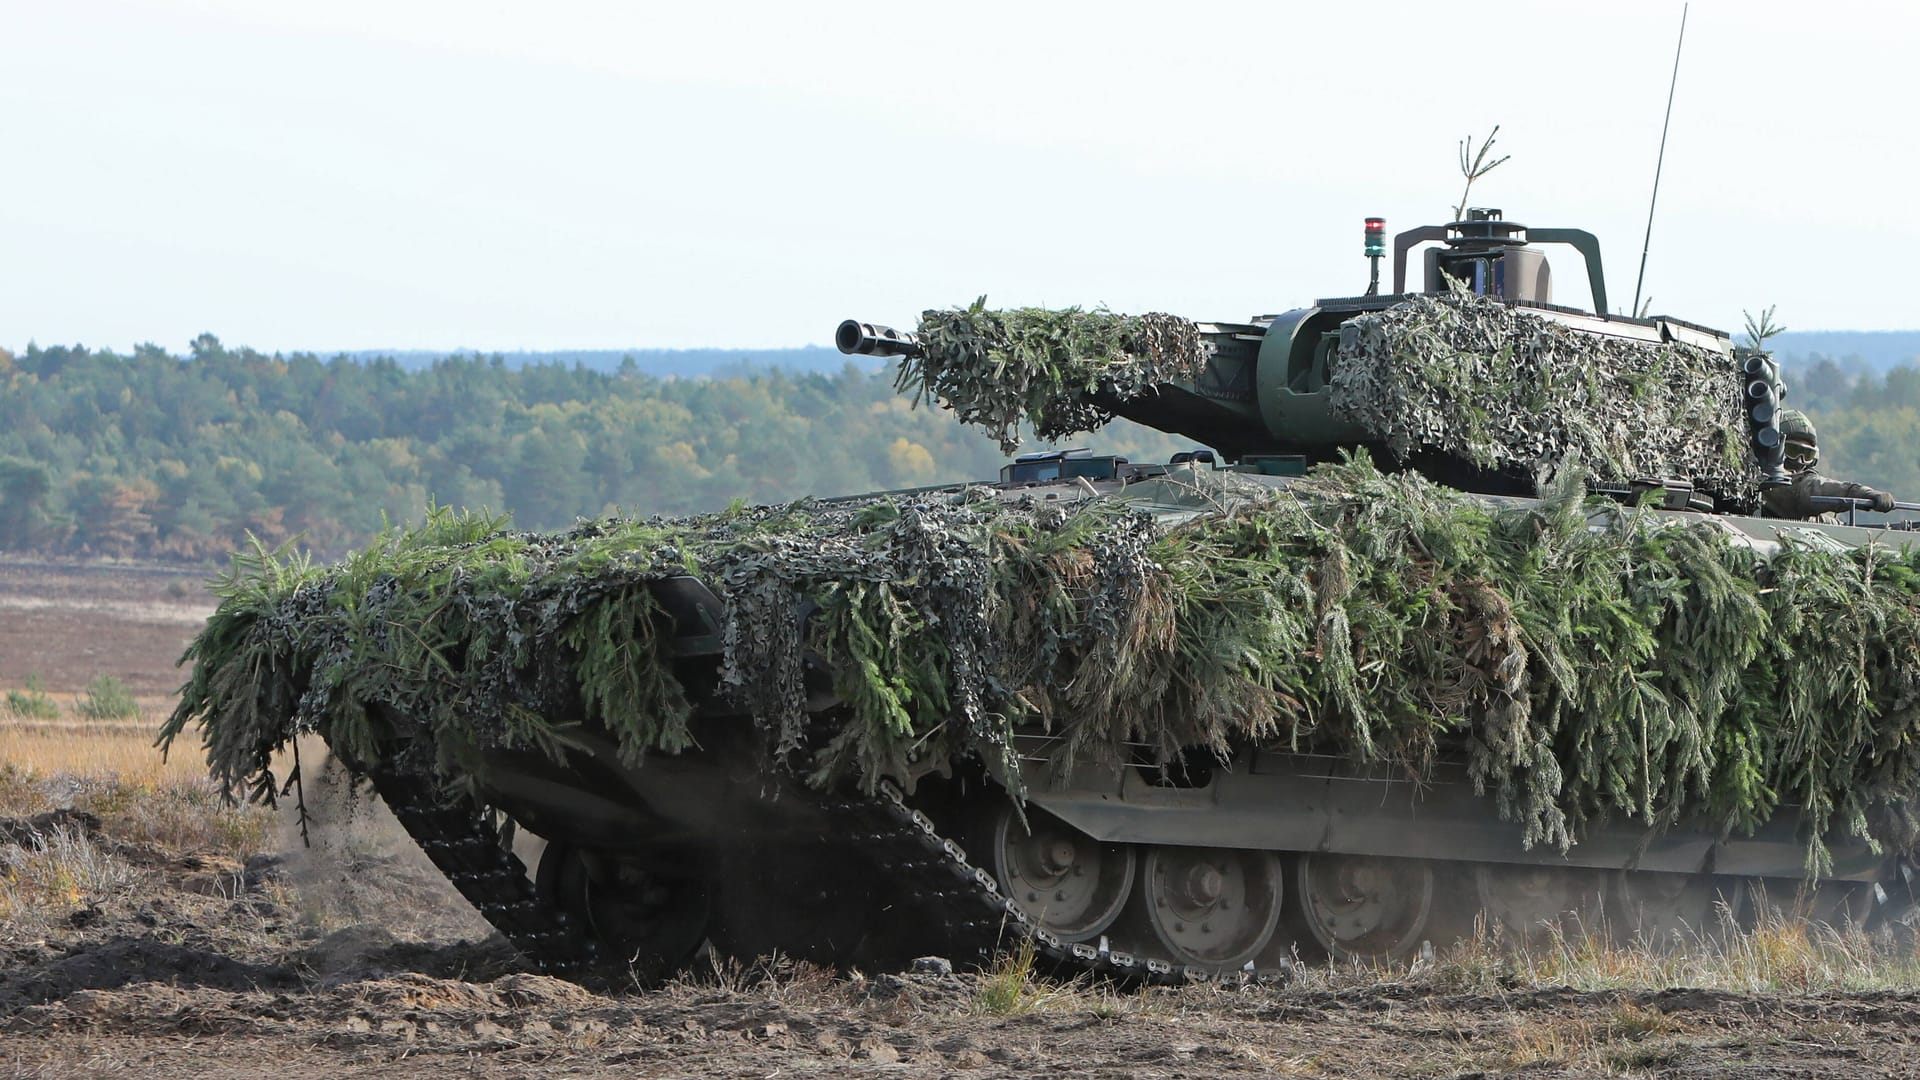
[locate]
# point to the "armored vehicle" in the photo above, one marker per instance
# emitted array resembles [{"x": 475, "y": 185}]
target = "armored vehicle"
[{"x": 1143, "y": 857}]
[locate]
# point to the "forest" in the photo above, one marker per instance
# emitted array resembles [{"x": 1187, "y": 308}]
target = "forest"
[
  {"x": 182, "y": 457},
  {"x": 153, "y": 455}
]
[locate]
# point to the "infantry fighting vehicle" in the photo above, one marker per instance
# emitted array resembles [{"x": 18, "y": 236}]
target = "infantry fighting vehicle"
[{"x": 1208, "y": 867}]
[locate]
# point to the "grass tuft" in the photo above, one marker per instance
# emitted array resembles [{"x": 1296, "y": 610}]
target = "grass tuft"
[
  {"x": 1010, "y": 987},
  {"x": 70, "y": 873},
  {"x": 108, "y": 699},
  {"x": 32, "y": 702}
]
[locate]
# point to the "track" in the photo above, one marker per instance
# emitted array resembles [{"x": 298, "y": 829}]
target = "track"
[
  {"x": 953, "y": 907},
  {"x": 968, "y": 918}
]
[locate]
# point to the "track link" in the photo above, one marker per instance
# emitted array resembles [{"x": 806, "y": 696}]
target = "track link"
[{"x": 468, "y": 850}]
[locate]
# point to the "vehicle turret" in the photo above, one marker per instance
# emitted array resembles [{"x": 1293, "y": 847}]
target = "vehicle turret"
[{"x": 1268, "y": 388}]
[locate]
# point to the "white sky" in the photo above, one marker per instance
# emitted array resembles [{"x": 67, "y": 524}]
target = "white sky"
[{"x": 359, "y": 174}]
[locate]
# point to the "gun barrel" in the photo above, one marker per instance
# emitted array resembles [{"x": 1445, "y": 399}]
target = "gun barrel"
[{"x": 856, "y": 338}]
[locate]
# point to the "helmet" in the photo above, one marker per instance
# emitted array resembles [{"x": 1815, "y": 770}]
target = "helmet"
[{"x": 1803, "y": 442}]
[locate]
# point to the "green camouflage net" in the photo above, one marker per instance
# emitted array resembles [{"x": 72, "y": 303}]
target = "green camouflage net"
[
  {"x": 1503, "y": 387},
  {"x": 996, "y": 369},
  {"x": 1587, "y": 661},
  {"x": 1467, "y": 376}
]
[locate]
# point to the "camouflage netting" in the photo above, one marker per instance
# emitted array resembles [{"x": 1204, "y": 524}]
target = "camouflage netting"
[
  {"x": 1464, "y": 375},
  {"x": 998, "y": 368},
  {"x": 1643, "y": 669},
  {"x": 1499, "y": 386}
]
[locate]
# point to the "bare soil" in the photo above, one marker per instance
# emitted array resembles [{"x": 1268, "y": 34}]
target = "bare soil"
[
  {"x": 354, "y": 959},
  {"x": 68, "y": 623},
  {"x": 213, "y": 971}
]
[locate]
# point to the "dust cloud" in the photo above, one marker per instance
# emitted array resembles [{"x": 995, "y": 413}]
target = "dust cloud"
[{"x": 358, "y": 870}]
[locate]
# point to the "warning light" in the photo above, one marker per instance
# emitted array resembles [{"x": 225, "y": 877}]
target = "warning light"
[{"x": 1376, "y": 237}]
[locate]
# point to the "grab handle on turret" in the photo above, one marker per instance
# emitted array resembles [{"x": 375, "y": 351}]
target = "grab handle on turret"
[
  {"x": 1853, "y": 504},
  {"x": 1850, "y": 502},
  {"x": 856, "y": 338}
]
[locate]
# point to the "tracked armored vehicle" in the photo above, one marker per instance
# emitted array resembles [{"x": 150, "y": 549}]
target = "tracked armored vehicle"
[{"x": 1137, "y": 855}]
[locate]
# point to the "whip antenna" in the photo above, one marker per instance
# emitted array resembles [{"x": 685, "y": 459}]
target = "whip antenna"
[{"x": 1658, "y": 162}]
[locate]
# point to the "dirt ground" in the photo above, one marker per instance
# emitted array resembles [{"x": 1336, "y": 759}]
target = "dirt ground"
[
  {"x": 203, "y": 970},
  {"x": 353, "y": 958},
  {"x": 67, "y": 623},
  {"x": 195, "y": 967}
]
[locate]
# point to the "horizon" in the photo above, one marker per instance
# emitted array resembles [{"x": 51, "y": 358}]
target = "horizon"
[{"x": 1789, "y": 344}]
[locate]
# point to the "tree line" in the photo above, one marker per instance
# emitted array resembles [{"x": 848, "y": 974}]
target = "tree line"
[
  {"x": 154, "y": 455},
  {"x": 1869, "y": 421}
]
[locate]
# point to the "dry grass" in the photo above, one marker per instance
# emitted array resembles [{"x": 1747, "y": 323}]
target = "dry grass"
[
  {"x": 1624, "y": 1039},
  {"x": 1773, "y": 951},
  {"x": 144, "y": 823},
  {"x": 778, "y": 979},
  {"x": 1767, "y": 950},
  {"x": 1009, "y": 986},
  {"x": 172, "y": 816},
  {"x": 41, "y": 887},
  {"x": 85, "y": 747}
]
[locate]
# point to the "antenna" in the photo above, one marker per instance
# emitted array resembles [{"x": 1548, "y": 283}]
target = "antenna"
[{"x": 1658, "y": 162}]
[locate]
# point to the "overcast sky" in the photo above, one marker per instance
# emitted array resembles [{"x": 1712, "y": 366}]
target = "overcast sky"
[{"x": 358, "y": 174}]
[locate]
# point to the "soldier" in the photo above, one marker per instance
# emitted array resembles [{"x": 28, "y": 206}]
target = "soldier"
[{"x": 1802, "y": 498}]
